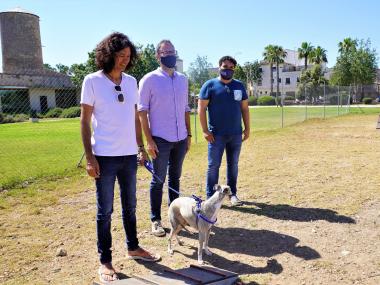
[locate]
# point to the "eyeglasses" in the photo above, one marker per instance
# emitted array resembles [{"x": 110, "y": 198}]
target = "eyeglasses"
[{"x": 120, "y": 96}]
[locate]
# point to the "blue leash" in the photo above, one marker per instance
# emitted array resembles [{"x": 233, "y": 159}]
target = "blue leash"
[{"x": 149, "y": 166}]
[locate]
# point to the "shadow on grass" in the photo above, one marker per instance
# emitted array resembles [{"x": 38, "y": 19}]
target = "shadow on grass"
[
  {"x": 261, "y": 243},
  {"x": 287, "y": 212}
]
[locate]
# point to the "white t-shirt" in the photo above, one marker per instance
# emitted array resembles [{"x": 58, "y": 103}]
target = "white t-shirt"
[{"x": 113, "y": 123}]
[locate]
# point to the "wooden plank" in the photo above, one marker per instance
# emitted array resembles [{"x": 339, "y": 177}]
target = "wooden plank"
[
  {"x": 198, "y": 281},
  {"x": 208, "y": 269}
]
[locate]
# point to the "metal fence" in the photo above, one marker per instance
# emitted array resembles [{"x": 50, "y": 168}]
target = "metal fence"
[{"x": 53, "y": 146}]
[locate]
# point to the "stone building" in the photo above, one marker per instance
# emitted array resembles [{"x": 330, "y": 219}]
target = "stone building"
[{"x": 24, "y": 82}]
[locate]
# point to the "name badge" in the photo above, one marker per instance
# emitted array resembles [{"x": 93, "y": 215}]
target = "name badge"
[{"x": 238, "y": 94}]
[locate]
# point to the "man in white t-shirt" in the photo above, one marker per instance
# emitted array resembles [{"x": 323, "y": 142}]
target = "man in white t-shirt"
[{"x": 108, "y": 102}]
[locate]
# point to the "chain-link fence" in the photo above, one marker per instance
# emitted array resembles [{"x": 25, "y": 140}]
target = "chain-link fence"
[{"x": 52, "y": 147}]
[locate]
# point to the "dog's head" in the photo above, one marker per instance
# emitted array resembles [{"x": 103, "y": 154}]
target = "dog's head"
[{"x": 222, "y": 190}]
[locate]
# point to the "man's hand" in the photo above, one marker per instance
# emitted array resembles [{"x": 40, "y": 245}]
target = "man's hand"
[
  {"x": 92, "y": 167},
  {"x": 142, "y": 156},
  {"x": 209, "y": 136},
  {"x": 152, "y": 149},
  {"x": 245, "y": 135}
]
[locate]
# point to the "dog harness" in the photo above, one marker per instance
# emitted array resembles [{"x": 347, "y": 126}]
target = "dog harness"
[{"x": 149, "y": 166}]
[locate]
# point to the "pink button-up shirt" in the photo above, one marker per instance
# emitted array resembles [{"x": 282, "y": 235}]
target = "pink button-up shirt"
[{"x": 165, "y": 99}]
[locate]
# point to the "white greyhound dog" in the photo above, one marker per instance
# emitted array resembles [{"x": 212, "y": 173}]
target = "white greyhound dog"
[{"x": 184, "y": 211}]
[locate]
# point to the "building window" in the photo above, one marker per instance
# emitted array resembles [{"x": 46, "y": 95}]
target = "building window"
[
  {"x": 265, "y": 92},
  {"x": 298, "y": 79},
  {"x": 260, "y": 69},
  {"x": 287, "y": 80},
  {"x": 273, "y": 68},
  {"x": 279, "y": 80},
  {"x": 259, "y": 83},
  {"x": 272, "y": 80}
]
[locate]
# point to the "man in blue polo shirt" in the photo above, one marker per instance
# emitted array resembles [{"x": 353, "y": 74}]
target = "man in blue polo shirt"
[{"x": 226, "y": 101}]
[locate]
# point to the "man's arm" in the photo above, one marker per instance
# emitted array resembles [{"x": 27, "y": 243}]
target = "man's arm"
[
  {"x": 139, "y": 139},
  {"x": 245, "y": 114},
  {"x": 92, "y": 166},
  {"x": 151, "y": 146},
  {"x": 202, "y": 106},
  {"x": 188, "y": 127}
]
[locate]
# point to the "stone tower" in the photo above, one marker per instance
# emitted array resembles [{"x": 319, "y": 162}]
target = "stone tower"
[{"x": 20, "y": 42}]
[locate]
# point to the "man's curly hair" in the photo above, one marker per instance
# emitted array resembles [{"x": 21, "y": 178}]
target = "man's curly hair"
[{"x": 106, "y": 50}]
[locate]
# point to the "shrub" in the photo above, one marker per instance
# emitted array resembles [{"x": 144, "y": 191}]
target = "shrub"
[
  {"x": 367, "y": 100},
  {"x": 54, "y": 113},
  {"x": 266, "y": 101},
  {"x": 1, "y": 117},
  {"x": 33, "y": 114},
  {"x": 7, "y": 119},
  {"x": 20, "y": 118},
  {"x": 334, "y": 100},
  {"x": 252, "y": 101},
  {"x": 72, "y": 112},
  {"x": 289, "y": 98}
]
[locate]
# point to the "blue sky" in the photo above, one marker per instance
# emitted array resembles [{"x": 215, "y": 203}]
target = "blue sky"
[{"x": 212, "y": 28}]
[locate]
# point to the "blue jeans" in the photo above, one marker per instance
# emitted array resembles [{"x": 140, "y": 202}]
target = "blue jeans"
[
  {"x": 169, "y": 160},
  {"x": 232, "y": 145},
  {"x": 124, "y": 168}
]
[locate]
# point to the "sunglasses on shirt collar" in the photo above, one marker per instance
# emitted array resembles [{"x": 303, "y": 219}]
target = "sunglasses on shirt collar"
[{"x": 120, "y": 96}]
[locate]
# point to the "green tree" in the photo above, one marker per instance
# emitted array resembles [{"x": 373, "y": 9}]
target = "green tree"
[
  {"x": 311, "y": 81},
  {"x": 279, "y": 55},
  {"x": 318, "y": 55},
  {"x": 79, "y": 71},
  {"x": 61, "y": 68},
  {"x": 199, "y": 73},
  {"x": 269, "y": 55},
  {"x": 49, "y": 67},
  {"x": 347, "y": 45},
  {"x": 240, "y": 74},
  {"x": 253, "y": 72},
  {"x": 305, "y": 51},
  {"x": 146, "y": 62},
  {"x": 356, "y": 65}
]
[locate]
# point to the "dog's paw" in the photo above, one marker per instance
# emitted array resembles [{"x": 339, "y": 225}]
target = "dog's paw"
[
  {"x": 208, "y": 252},
  {"x": 170, "y": 251},
  {"x": 200, "y": 262}
]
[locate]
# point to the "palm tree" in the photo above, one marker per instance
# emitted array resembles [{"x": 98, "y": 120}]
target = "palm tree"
[
  {"x": 318, "y": 55},
  {"x": 279, "y": 55},
  {"x": 269, "y": 58},
  {"x": 304, "y": 51},
  {"x": 347, "y": 44}
]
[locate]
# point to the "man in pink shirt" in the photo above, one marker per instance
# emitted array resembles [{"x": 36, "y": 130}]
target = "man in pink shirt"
[{"x": 165, "y": 118}]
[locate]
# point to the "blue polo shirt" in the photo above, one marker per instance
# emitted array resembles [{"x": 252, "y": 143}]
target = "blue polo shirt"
[{"x": 224, "y": 108}]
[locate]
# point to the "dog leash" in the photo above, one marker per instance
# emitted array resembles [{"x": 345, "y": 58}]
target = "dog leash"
[{"x": 149, "y": 166}]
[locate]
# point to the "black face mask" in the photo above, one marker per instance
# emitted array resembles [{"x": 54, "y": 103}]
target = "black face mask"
[
  {"x": 226, "y": 74},
  {"x": 169, "y": 61}
]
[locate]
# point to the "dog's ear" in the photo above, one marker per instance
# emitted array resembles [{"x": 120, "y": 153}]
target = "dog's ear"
[
  {"x": 226, "y": 190},
  {"x": 217, "y": 187}
]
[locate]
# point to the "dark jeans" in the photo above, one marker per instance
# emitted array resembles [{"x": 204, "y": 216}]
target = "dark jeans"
[
  {"x": 232, "y": 145},
  {"x": 169, "y": 160},
  {"x": 124, "y": 168}
]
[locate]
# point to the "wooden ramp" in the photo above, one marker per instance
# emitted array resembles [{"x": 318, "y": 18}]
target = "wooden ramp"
[
  {"x": 193, "y": 275},
  {"x": 378, "y": 123}
]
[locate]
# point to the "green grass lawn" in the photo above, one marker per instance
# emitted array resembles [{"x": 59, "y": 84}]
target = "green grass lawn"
[{"x": 53, "y": 148}]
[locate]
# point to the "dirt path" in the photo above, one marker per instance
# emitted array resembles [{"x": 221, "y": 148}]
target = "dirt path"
[{"x": 311, "y": 217}]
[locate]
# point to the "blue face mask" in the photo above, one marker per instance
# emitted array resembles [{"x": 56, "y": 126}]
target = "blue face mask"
[
  {"x": 226, "y": 74},
  {"x": 169, "y": 61}
]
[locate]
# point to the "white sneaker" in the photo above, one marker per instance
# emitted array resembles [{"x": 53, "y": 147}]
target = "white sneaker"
[
  {"x": 235, "y": 201},
  {"x": 157, "y": 229}
]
